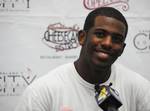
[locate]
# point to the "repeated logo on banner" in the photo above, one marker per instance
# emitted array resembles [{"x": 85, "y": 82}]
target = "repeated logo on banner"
[
  {"x": 141, "y": 41},
  {"x": 14, "y": 5},
  {"x": 120, "y": 4},
  {"x": 61, "y": 37},
  {"x": 13, "y": 83}
]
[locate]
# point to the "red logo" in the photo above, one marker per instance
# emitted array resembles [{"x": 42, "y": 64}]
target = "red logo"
[
  {"x": 92, "y": 4},
  {"x": 60, "y": 37}
]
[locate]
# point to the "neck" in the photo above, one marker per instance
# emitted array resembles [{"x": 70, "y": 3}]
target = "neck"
[{"x": 94, "y": 75}]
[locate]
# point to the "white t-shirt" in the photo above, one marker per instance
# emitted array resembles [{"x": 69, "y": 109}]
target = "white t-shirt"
[{"x": 63, "y": 89}]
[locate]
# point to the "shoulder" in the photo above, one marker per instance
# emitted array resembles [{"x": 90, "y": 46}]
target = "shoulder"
[
  {"x": 125, "y": 72},
  {"x": 131, "y": 78},
  {"x": 133, "y": 83},
  {"x": 51, "y": 81},
  {"x": 54, "y": 75}
]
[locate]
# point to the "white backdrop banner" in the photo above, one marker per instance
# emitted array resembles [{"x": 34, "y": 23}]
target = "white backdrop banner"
[
  {"x": 71, "y": 8},
  {"x": 37, "y": 36},
  {"x": 137, "y": 52}
]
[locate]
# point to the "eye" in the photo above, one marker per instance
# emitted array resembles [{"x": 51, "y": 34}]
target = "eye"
[
  {"x": 100, "y": 34},
  {"x": 117, "y": 38}
]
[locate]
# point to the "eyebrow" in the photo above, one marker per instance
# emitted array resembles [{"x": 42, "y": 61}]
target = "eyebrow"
[{"x": 112, "y": 33}]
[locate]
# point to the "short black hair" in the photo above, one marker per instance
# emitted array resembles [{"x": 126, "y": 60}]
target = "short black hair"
[{"x": 104, "y": 11}]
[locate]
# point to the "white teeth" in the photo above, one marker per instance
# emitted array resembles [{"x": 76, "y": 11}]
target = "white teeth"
[{"x": 103, "y": 55}]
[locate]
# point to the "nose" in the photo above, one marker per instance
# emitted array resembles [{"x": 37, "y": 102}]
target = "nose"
[{"x": 106, "y": 43}]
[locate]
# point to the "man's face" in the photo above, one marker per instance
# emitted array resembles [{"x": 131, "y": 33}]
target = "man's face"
[{"x": 104, "y": 42}]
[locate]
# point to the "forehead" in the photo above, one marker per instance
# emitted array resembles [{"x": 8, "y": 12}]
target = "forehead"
[{"x": 110, "y": 24}]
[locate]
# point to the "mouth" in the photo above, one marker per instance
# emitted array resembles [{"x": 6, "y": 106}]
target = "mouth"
[{"x": 103, "y": 54}]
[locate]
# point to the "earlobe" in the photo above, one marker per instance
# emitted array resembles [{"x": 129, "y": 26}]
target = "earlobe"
[
  {"x": 123, "y": 47},
  {"x": 81, "y": 37}
]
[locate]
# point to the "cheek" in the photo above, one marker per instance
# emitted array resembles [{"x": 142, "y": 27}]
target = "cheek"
[
  {"x": 95, "y": 40},
  {"x": 117, "y": 49}
]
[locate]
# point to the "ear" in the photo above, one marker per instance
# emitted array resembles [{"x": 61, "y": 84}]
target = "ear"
[
  {"x": 123, "y": 47},
  {"x": 81, "y": 37}
]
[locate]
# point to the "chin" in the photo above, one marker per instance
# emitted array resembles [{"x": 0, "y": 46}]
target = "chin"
[{"x": 102, "y": 64}]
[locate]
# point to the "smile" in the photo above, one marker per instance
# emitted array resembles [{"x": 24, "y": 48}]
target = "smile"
[{"x": 102, "y": 55}]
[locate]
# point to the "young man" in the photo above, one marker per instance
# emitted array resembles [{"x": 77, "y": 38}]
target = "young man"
[{"x": 71, "y": 87}]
